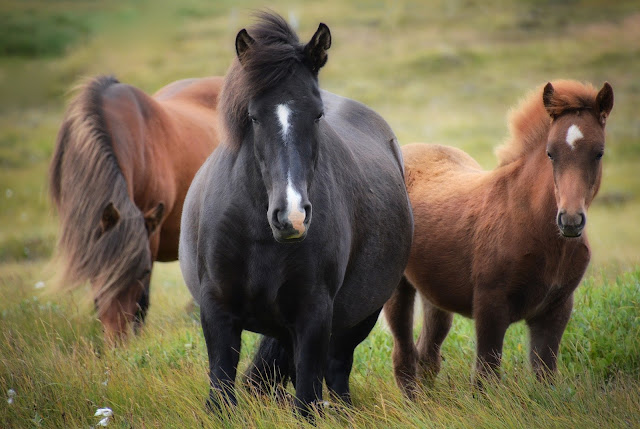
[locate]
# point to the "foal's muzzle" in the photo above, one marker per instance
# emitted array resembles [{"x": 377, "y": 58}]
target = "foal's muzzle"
[{"x": 571, "y": 225}]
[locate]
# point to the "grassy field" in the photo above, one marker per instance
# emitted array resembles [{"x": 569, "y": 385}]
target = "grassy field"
[{"x": 445, "y": 72}]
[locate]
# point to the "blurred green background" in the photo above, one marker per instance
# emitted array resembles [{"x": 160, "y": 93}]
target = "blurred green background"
[
  {"x": 438, "y": 71},
  {"x": 444, "y": 71}
]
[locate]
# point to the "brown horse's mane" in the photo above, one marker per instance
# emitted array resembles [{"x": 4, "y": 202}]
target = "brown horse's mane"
[
  {"x": 84, "y": 177},
  {"x": 269, "y": 61},
  {"x": 529, "y": 122}
]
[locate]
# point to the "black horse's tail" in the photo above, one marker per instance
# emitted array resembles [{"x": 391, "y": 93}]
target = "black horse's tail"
[{"x": 271, "y": 367}]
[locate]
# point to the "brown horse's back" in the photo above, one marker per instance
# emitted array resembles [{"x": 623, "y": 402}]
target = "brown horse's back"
[{"x": 438, "y": 180}]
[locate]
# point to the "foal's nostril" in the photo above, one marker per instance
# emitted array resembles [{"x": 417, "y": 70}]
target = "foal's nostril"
[
  {"x": 559, "y": 219},
  {"x": 583, "y": 220}
]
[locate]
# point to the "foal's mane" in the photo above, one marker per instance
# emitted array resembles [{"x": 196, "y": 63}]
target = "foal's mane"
[
  {"x": 529, "y": 122},
  {"x": 272, "y": 57},
  {"x": 84, "y": 176}
]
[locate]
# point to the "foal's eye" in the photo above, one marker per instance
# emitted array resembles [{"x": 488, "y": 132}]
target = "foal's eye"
[
  {"x": 599, "y": 155},
  {"x": 253, "y": 118},
  {"x": 549, "y": 155}
]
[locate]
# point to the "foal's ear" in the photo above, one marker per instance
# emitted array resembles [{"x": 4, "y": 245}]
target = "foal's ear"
[
  {"x": 316, "y": 50},
  {"x": 243, "y": 43},
  {"x": 153, "y": 217},
  {"x": 110, "y": 217},
  {"x": 547, "y": 99},
  {"x": 604, "y": 102}
]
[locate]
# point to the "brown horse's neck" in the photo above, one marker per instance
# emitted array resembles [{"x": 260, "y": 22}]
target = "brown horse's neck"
[
  {"x": 136, "y": 144},
  {"x": 531, "y": 179}
]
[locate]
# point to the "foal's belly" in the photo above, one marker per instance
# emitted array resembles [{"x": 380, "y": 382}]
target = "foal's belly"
[{"x": 448, "y": 291}]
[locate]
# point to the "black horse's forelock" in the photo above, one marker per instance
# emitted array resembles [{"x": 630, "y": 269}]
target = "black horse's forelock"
[{"x": 274, "y": 55}]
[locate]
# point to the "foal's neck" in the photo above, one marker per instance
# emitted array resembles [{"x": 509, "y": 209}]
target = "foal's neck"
[{"x": 533, "y": 179}]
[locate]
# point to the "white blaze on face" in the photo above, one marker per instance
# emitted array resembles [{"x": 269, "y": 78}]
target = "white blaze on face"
[
  {"x": 283, "y": 112},
  {"x": 295, "y": 213},
  {"x": 573, "y": 134}
]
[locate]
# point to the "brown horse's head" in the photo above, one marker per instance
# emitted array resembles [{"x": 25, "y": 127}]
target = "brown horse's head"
[
  {"x": 575, "y": 146},
  {"x": 122, "y": 302}
]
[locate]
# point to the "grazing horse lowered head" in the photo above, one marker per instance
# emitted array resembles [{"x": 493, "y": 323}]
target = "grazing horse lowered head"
[
  {"x": 299, "y": 226},
  {"x": 503, "y": 245},
  {"x": 121, "y": 168}
]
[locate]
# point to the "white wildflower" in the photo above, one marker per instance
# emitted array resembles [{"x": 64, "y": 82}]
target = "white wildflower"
[
  {"x": 11, "y": 394},
  {"x": 104, "y": 412},
  {"x": 39, "y": 285}
]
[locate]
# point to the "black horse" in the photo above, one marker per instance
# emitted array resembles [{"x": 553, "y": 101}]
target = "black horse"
[{"x": 249, "y": 251}]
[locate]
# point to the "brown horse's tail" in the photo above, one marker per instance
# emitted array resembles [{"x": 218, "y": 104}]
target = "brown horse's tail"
[{"x": 85, "y": 180}]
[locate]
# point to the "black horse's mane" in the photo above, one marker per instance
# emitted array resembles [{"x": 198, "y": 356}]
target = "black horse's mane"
[{"x": 274, "y": 55}]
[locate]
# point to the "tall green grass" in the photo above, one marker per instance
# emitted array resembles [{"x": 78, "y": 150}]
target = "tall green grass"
[{"x": 52, "y": 355}]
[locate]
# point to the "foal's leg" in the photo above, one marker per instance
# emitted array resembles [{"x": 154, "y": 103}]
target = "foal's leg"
[
  {"x": 222, "y": 335},
  {"x": 399, "y": 314},
  {"x": 435, "y": 327},
  {"x": 311, "y": 335},
  {"x": 492, "y": 320},
  {"x": 545, "y": 333},
  {"x": 340, "y": 360}
]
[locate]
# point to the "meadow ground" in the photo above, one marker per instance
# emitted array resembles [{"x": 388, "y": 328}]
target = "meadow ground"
[{"x": 443, "y": 71}]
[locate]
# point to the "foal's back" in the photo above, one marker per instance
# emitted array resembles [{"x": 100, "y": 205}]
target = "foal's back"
[{"x": 446, "y": 187}]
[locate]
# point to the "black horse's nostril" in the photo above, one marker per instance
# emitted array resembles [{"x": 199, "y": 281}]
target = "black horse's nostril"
[
  {"x": 307, "y": 213},
  {"x": 276, "y": 220}
]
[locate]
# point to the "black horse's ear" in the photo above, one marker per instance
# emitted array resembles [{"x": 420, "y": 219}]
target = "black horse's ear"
[
  {"x": 243, "y": 43},
  {"x": 547, "y": 99},
  {"x": 604, "y": 102},
  {"x": 153, "y": 217},
  {"x": 110, "y": 217},
  {"x": 316, "y": 50}
]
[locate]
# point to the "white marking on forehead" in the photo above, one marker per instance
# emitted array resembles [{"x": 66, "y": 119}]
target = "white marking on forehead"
[
  {"x": 573, "y": 134},
  {"x": 283, "y": 112}
]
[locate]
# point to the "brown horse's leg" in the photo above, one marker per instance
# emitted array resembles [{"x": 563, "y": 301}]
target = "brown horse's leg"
[
  {"x": 545, "y": 333},
  {"x": 399, "y": 314},
  {"x": 435, "y": 327},
  {"x": 491, "y": 324}
]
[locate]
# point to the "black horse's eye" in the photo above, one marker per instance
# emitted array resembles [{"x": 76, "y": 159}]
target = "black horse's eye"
[
  {"x": 253, "y": 118},
  {"x": 549, "y": 155},
  {"x": 320, "y": 115}
]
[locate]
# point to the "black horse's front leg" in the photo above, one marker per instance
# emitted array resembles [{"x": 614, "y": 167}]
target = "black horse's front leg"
[
  {"x": 222, "y": 335},
  {"x": 311, "y": 345},
  {"x": 340, "y": 359}
]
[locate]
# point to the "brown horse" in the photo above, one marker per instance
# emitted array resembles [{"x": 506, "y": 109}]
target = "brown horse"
[
  {"x": 503, "y": 245},
  {"x": 121, "y": 168}
]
